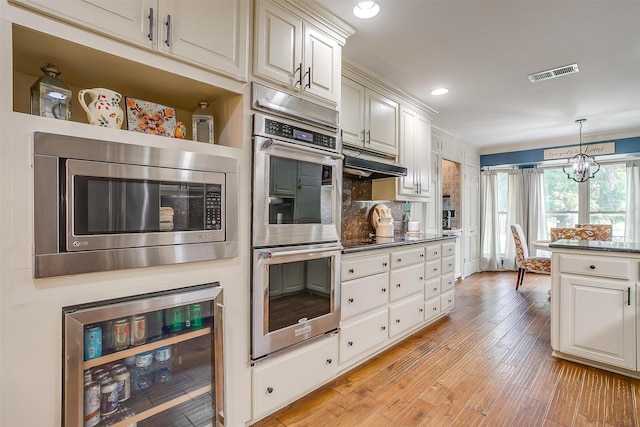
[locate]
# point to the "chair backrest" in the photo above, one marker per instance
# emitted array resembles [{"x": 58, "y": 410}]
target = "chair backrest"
[
  {"x": 522, "y": 250},
  {"x": 603, "y": 231},
  {"x": 559, "y": 233}
]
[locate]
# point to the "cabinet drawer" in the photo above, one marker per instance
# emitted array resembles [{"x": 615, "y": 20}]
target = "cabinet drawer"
[
  {"x": 434, "y": 252},
  {"x": 404, "y": 258},
  {"x": 432, "y": 269},
  {"x": 448, "y": 265},
  {"x": 363, "y": 294},
  {"x": 447, "y": 282},
  {"x": 361, "y": 335},
  {"x": 596, "y": 266},
  {"x": 406, "y": 281},
  {"x": 281, "y": 380},
  {"x": 365, "y": 266},
  {"x": 432, "y": 288},
  {"x": 448, "y": 249},
  {"x": 431, "y": 308},
  {"x": 405, "y": 315},
  {"x": 446, "y": 301}
]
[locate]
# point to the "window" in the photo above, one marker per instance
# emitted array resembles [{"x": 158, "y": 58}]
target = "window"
[{"x": 600, "y": 200}]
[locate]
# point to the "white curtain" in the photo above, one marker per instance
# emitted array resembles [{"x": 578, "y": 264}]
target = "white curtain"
[
  {"x": 632, "y": 225},
  {"x": 490, "y": 236},
  {"x": 536, "y": 213},
  {"x": 516, "y": 214}
]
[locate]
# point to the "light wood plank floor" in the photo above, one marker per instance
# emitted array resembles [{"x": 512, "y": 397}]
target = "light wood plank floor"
[{"x": 488, "y": 363}]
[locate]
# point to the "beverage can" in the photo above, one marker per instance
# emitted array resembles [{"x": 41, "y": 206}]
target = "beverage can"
[
  {"x": 108, "y": 396},
  {"x": 92, "y": 342},
  {"x": 87, "y": 376},
  {"x": 91, "y": 404},
  {"x": 121, "y": 334},
  {"x": 174, "y": 319},
  {"x": 123, "y": 378},
  {"x": 138, "y": 329},
  {"x": 194, "y": 316}
]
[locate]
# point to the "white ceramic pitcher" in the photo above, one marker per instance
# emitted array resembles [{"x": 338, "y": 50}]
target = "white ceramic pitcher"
[
  {"x": 385, "y": 227},
  {"x": 104, "y": 108}
]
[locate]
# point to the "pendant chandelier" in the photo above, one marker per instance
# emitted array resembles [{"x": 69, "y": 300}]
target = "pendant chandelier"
[{"x": 581, "y": 167}]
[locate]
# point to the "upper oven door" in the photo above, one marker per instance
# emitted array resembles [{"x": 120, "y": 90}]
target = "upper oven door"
[
  {"x": 296, "y": 194},
  {"x": 112, "y": 205}
]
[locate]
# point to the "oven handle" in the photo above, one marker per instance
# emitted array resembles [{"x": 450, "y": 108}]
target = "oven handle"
[
  {"x": 302, "y": 148},
  {"x": 268, "y": 254}
]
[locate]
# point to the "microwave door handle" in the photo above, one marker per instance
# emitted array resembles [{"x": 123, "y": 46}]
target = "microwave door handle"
[
  {"x": 300, "y": 252},
  {"x": 302, "y": 148}
]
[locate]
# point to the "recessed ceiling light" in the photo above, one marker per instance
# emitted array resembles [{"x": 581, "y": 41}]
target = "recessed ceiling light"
[
  {"x": 366, "y": 9},
  {"x": 439, "y": 91}
]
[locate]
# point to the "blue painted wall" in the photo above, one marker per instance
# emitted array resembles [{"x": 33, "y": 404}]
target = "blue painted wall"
[{"x": 623, "y": 146}]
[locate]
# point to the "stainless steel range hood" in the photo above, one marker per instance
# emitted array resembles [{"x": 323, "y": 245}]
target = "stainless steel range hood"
[{"x": 371, "y": 169}]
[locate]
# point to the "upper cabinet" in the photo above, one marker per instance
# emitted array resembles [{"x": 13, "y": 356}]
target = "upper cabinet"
[
  {"x": 212, "y": 35},
  {"x": 369, "y": 120},
  {"x": 297, "y": 51}
]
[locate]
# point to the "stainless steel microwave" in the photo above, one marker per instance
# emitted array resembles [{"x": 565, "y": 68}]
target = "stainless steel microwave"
[{"x": 102, "y": 205}]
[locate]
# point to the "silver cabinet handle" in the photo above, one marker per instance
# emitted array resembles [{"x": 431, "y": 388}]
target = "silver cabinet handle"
[
  {"x": 168, "y": 24},
  {"x": 308, "y": 74},
  {"x": 150, "y": 35}
]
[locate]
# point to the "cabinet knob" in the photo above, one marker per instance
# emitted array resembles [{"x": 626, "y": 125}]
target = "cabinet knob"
[
  {"x": 384, "y": 264},
  {"x": 421, "y": 255},
  {"x": 329, "y": 361},
  {"x": 593, "y": 267},
  {"x": 399, "y": 260},
  {"x": 397, "y": 320},
  {"x": 421, "y": 310},
  {"x": 350, "y": 300},
  {"x": 269, "y": 390},
  {"x": 351, "y": 271},
  {"x": 350, "y": 343},
  {"x": 397, "y": 285},
  {"x": 435, "y": 309},
  {"x": 435, "y": 252},
  {"x": 384, "y": 290},
  {"x": 421, "y": 278},
  {"x": 383, "y": 328},
  {"x": 435, "y": 269}
]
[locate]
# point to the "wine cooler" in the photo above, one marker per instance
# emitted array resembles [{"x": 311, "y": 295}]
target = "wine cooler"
[{"x": 149, "y": 360}]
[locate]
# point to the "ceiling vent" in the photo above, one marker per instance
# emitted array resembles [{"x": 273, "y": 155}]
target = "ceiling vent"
[{"x": 556, "y": 72}]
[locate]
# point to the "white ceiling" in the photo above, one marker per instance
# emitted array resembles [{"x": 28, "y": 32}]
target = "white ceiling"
[{"x": 483, "y": 52}]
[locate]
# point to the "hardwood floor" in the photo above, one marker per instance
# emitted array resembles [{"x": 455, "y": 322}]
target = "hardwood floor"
[{"x": 488, "y": 363}]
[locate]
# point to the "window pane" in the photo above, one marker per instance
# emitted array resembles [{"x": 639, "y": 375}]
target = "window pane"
[
  {"x": 560, "y": 199},
  {"x": 609, "y": 189}
]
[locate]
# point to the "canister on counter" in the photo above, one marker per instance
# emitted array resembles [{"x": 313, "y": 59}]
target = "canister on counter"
[{"x": 91, "y": 404}]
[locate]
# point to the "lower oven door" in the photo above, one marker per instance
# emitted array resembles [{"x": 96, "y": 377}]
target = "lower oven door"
[{"x": 296, "y": 295}]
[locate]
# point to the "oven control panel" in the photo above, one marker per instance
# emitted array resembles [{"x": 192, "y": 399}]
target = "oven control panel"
[{"x": 276, "y": 128}]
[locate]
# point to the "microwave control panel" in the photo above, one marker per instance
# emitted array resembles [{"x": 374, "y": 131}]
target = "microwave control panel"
[
  {"x": 318, "y": 139},
  {"x": 213, "y": 201}
]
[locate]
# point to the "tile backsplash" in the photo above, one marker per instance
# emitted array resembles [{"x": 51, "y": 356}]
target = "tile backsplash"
[{"x": 356, "y": 209}]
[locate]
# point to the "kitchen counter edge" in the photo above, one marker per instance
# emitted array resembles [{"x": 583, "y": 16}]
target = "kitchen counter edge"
[
  {"x": 596, "y": 245},
  {"x": 396, "y": 243}
]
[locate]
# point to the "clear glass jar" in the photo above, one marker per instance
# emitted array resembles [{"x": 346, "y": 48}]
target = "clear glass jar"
[{"x": 203, "y": 123}]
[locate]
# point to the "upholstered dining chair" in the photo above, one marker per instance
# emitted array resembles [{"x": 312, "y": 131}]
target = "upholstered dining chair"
[
  {"x": 588, "y": 232},
  {"x": 525, "y": 262},
  {"x": 602, "y": 231}
]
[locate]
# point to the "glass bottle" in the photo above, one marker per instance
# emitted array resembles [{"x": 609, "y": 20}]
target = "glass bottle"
[
  {"x": 203, "y": 123},
  {"x": 49, "y": 96}
]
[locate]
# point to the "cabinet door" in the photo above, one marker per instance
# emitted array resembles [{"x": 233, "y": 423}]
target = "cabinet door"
[
  {"x": 353, "y": 268},
  {"x": 407, "y": 257},
  {"x": 278, "y": 44},
  {"x": 322, "y": 59},
  {"x": 127, "y": 20},
  {"x": 432, "y": 269},
  {"x": 212, "y": 34},
  {"x": 405, "y": 315},
  {"x": 433, "y": 207},
  {"x": 361, "y": 335},
  {"x": 361, "y": 295},
  {"x": 431, "y": 308},
  {"x": 352, "y": 113},
  {"x": 381, "y": 124},
  {"x": 285, "y": 378},
  {"x": 406, "y": 281},
  {"x": 409, "y": 185},
  {"x": 471, "y": 218},
  {"x": 597, "y": 319},
  {"x": 432, "y": 288},
  {"x": 447, "y": 300}
]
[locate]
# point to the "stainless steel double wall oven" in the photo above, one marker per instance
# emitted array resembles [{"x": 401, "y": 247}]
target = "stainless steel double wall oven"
[{"x": 297, "y": 181}]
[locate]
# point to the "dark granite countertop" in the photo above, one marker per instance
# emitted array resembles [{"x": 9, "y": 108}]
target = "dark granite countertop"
[
  {"x": 371, "y": 243},
  {"x": 596, "y": 245}
]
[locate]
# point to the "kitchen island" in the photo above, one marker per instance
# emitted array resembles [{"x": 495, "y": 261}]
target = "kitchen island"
[{"x": 594, "y": 304}]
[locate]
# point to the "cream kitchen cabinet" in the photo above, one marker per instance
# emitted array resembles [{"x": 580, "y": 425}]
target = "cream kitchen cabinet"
[
  {"x": 368, "y": 119},
  {"x": 406, "y": 314},
  {"x": 282, "y": 379},
  {"x": 212, "y": 35},
  {"x": 439, "y": 294},
  {"x": 597, "y": 312},
  {"x": 360, "y": 335},
  {"x": 292, "y": 52}
]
